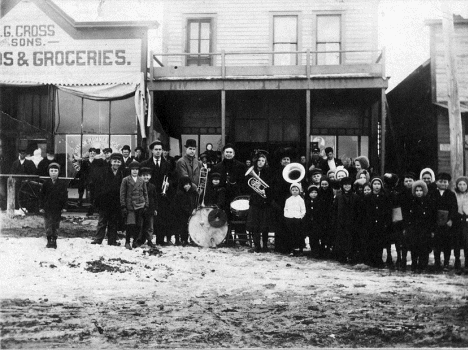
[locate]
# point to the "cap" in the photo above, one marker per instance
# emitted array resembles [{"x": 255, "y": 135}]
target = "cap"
[
  {"x": 117, "y": 156},
  {"x": 215, "y": 176},
  {"x": 190, "y": 143},
  {"x": 107, "y": 150},
  {"x": 145, "y": 170},
  {"x": 134, "y": 165},
  {"x": 54, "y": 166}
]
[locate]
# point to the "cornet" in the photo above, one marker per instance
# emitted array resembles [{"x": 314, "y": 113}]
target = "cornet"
[
  {"x": 256, "y": 183},
  {"x": 164, "y": 185}
]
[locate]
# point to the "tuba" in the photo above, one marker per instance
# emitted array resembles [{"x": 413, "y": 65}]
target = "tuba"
[
  {"x": 293, "y": 172},
  {"x": 256, "y": 183}
]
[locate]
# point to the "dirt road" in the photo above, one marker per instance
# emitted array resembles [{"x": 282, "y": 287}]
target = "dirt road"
[{"x": 87, "y": 296}]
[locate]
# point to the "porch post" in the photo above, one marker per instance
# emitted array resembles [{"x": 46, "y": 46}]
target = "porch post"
[
  {"x": 308, "y": 108},
  {"x": 223, "y": 117},
  {"x": 382, "y": 123}
]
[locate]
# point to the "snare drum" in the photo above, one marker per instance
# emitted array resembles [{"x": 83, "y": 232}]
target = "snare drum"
[{"x": 240, "y": 206}]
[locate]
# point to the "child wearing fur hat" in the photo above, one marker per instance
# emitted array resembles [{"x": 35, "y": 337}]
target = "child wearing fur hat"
[
  {"x": 345, "y": 211},
  {"x": 461, "y": 226},
  {"x": 134, "y": 203},
  {"x": 53, "y": 200},
  {"x": 447, "y": 208},
  {"x": 185, "y": 201},
  {"x": 312, "y": 203},
  {"x": 215, "y": 193},
  {"x": 419, "y": 223},
  {"x": 377, "y": 222},
  {"x": 294, "y": 212}
]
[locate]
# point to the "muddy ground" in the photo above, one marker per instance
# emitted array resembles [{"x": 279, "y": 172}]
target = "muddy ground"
[{"x": 87, "y": 296}]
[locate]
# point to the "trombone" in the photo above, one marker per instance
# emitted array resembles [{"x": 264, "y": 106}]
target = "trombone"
[
  {"x": 164, "y": 185},
  {"x": 256, "y": 183}
]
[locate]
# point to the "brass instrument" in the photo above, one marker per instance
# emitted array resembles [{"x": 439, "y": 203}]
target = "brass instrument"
[
  {"x": 293, "y": 172},
  {"x": 202, "y": 184},
  {"x": 256, "y": 183},
  {"x": 164, "y": 185}
]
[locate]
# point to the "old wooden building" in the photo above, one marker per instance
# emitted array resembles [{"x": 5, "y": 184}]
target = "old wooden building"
[
  {"x": 271, "y": 73},
  {"x": 418, "y": 123}
]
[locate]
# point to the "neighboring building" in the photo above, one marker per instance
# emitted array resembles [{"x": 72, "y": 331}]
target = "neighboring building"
[
  {"x": 68, "y": 84},
  {"x": 271, "y": 73},
  {"x": 418, "y": 125}
]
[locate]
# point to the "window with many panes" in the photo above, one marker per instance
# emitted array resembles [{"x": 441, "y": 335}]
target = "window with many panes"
[
  {"x": 328, "y": 39},
  {"x": 285, "y": 38},
  {"x": 199, "y": 41}
]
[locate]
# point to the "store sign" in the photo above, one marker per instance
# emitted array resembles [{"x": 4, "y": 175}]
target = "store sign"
[{"x": 35, "y": 49}]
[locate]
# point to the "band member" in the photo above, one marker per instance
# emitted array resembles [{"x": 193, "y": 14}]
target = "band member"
[
  {"x": 232, "y": 173},
  {"x": 215, "y": 193},
  {"x": 160, "y": 178},
  {"x": 90, "y": 172},
  {"x": 108, "y": 201},
  {"x": 185, "y": 201},
  {"x": 53, "y": 199},
  {"x": 260, "y": 211},
  {"x": 188, "y": 165},
  {"x": 134, "y": 203}
]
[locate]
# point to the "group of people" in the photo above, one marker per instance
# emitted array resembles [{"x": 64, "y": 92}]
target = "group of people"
[{"x": 344, "y": 212}]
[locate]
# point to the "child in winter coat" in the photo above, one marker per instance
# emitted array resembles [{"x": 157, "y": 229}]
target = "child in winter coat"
[
  {"x": 405, "y": 199},
  {"x": 185, "y": 201},
  {"x": 294, "y": 212},
  {"x": 326, "y": 197},
  {"x": 215, "y": 193},
  {"x": 146, "y": 234},
  {"x": 134, "y": 203},
  {"x": 377, "y": 219},
  {"x": 53, "y": 200},
  {"x": 447, "y": 210},
  {"x": 461, "y": 227},
  {"x": 345, "y": 218},
  {"x": 419, "y": 223},
  {"x": 311, "y": 220}
]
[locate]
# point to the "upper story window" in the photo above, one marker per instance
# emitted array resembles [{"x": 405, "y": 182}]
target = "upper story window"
[
  {"x": 329, "y": 39},
  {"x": 199, "y": 41},
  {"x": 285, "y": 38}
]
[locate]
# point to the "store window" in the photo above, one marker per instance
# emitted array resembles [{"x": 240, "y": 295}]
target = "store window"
[
  {"x": 199, "y": 41},
  {"x": 285, "y": 38},
  {"x": 328, "y": 39}
]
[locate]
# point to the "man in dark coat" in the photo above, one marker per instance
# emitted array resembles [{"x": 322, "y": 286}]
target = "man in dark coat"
[
  {"x": 43, "y": 166},
  {"x": 330, "y": 163},
  {"x": 232, "y": 174},
  {"x": 127, "y": 158},
  {"x": 90, "y": 172},
  {"x": 22, "y": 166},
  {"x": 160, "y": 171},
  {"x": 108, "y": 201}
]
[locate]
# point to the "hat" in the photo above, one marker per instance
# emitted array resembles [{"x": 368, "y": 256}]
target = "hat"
[
  {"x": 315, "y": 150},
  {"x": 50, "y": 151},
  {"x": 427, "y": 171},
  {"x": 53, "y": 166},
  {"x": 444, "y": 176},
  {"x": 217, "y": 218},
  {"x": 346, "y": 181},
  {"x": 107, "y": 150},
  {"x": 419, "y": 183},
  {"x": 460, "y": 179},
  {"x": 134, "y": 165},
  {"x": 391, "y": 179},
  {"x": 126, "y": 148},
  {"x": 117, "y": 156},
  {"x": 330, "y": 172},
  {"x": 228, "y": 145},
  {"x": 145, "y": 170},
  {"x": 341, "y": 169},
  {"x": 21, "y": 150},
  {"x": 184, "y": 180},
  {"x": 190, "y": 143},
  {"x": 328, "y": 150},
  {"x": 316, "y": 171},
  {"x": 203, "y": 155},
  {"x": 364, "y": 161},
  {"x": 139, "y": 148},
  {"x": 154, "y": 143},
  {"x": 312, "y": 188},
  {"x": 296, "y": 184},
  {"x": 92, "y": 149},
  {"x": 377, "y": 179},
  {"x": 215, "y": 176}
]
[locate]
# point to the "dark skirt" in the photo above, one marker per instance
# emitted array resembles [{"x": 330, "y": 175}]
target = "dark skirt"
[{"x": 259, "y": 219}]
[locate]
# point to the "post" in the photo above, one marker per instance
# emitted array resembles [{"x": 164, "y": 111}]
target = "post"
[
  {"x": 308, "y": 109},
  {"x": 383, "y": 131},
  {"x": 453, "y": 99},
  {"x": 11, "y": 196},
  {"x": 223, "y": 117}
]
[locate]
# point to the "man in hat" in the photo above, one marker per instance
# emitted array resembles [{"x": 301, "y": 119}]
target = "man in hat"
[
  {"x": 232, "y": 175},
  {"x": 315, "y": 159},
  {"x": 330, "y": 163},
  {"x": 108, "y": 201},
  {"x": 160, "y": 170},
  {"x": 43, "y": 166},
  {"x": 107, "y": 155},
  {"x": 53, "y": 200},
  {"x": 22, "y": 166},
  {"x": 139, "y": 154},
  {"x": 188, "y": 165},
  {"x": 127, "y": 158},
  {"x": 90, "y": 172}
]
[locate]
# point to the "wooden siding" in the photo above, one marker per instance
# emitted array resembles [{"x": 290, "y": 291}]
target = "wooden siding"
[
  {"x": 243, "y": 25},
  {"x": 443, "y": 137},
  {"x": 460, "y": 47}
]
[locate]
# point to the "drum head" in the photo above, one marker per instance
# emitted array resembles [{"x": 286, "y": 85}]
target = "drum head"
[{"x": 202, "y": 232}]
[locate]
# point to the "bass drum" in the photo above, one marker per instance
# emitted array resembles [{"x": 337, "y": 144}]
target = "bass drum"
[{"x": 208, "y": 227}]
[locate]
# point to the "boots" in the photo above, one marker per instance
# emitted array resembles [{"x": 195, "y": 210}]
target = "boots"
[
  {"x": 49, "y": 244},
  {"x": 53, "y": 242}
]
